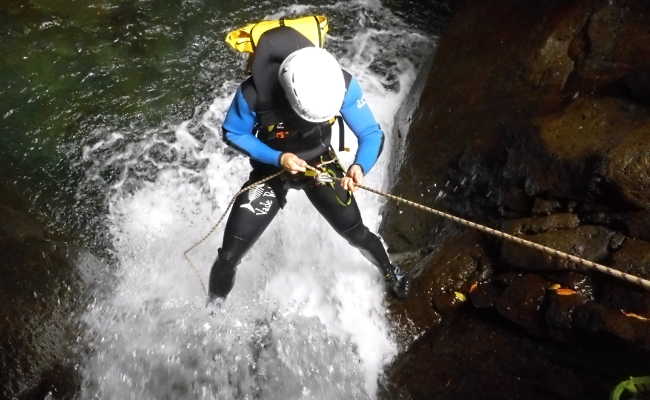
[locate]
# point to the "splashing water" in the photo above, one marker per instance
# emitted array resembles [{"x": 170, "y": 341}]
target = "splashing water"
[{"x": 306, "y": 318}]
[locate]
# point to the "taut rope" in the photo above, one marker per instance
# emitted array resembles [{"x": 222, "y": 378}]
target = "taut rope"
[{"x": 636, "y": 280}]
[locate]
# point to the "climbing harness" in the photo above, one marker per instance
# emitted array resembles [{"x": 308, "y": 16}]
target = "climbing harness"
[
  {"x": 636, "y": 280},
  {"x": 327, "y": 176},
  {"x": 279, "y": 132},
  {"x": 246, "y": 38},
  {"x": 322, "y": 176}
]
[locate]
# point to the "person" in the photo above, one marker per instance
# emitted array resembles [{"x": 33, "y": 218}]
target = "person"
[{"x": 281, "y": 117}]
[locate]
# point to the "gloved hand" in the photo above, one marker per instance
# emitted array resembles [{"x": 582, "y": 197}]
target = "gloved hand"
[{"x": 352, "y": 178}]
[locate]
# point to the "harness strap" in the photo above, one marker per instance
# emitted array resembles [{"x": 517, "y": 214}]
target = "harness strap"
[{"x": 342, "y": 147}]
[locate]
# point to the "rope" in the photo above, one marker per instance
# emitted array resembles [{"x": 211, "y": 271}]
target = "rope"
[
  {"x": 323, "y": 176},
  {"x": 636, "y": 280}
]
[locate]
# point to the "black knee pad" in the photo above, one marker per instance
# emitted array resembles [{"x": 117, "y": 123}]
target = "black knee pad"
[
  {"x": 229, "y": 257},
  {"x": 233, "y": 250}
]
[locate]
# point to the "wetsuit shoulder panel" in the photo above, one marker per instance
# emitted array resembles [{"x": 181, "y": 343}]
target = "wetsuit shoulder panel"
[
  {"x": 360, "y": 119},
  {"x": 238, "y": 131}
]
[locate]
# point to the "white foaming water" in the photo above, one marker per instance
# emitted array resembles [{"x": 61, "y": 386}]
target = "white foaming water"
[{"x": 306, "y": 318}]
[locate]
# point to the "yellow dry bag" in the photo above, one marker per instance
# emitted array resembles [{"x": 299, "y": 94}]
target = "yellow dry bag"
[{"x": 245, "y": 39}]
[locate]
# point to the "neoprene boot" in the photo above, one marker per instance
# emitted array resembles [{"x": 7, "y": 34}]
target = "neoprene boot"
[
  {"x": 222, "y": 274},
  {"x": 397, "y": 280},
  {"x": 222, "y": 277}
]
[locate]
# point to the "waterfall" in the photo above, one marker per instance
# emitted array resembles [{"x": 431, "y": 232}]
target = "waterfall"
[{"x": 307, "y": 317}]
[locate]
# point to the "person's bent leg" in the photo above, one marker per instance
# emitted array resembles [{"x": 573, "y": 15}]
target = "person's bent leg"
[
  {"x": 250, "y": 215},
  {"x": 341, "y": 211},
  {"x": 371, "y": 247}
]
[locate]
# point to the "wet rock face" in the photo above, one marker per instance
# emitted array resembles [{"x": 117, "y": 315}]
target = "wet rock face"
[
  {"x": 628, "y": 167},
  {"x": 502, "y": 122},
  {"x": 458, "y": 262},
  {"x": 535, "y": 119},
  {"x": 589, "y": 242},
  {"x": 464, "y": 359},
  {"x": 602, "y": 142},
  {"x": 534, "y": 225},
  {"x": 618, "y": 49},
  {"x": 39, "y": 299}
]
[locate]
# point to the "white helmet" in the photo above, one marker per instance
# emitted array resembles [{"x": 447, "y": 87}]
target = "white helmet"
[{"x": 313, "y": 83}]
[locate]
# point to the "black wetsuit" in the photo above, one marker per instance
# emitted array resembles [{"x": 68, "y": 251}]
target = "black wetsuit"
[{"x": 253, "y": 210}]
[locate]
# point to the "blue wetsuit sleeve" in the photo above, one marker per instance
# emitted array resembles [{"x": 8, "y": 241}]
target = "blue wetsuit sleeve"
[
  {"x": 360, "y": 119},
  {"x": 238, "y": 132}
]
